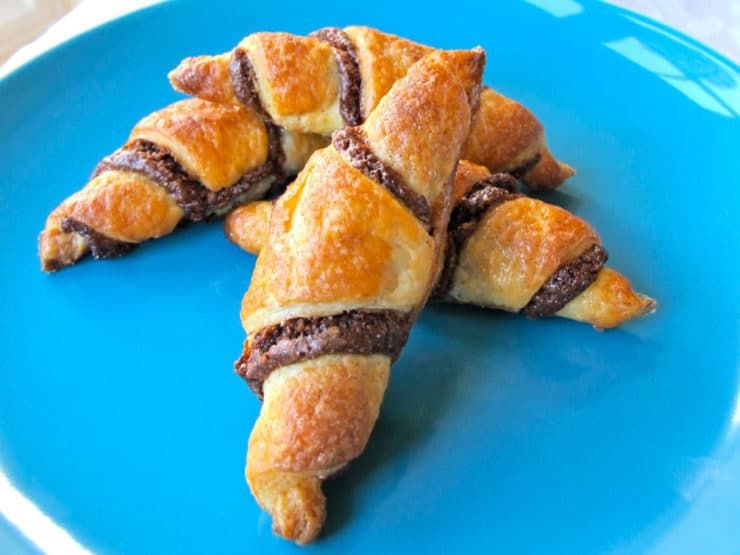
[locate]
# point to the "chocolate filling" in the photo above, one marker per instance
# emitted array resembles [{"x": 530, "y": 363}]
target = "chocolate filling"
[
  {"x": 467, "y": 213},
  {"x": 520, "y": 171},
  {"x": 349, "y": 71},
  {"x": 196, "y": 200},
  {"x": 353, "y": 332},
  {"x": 352, "y": 143},
  {"x": 565, "y": 284},
  {"x": 245, "y": 83},
  {"x": 100, "y": 245},
  {"x": 275, "y": 152}
]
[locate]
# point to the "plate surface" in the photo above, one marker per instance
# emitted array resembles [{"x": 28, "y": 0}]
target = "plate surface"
[{"x": 121, "y": 418}]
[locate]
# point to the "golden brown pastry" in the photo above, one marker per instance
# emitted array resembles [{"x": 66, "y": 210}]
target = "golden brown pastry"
[
  {"x": 507, "y": 251},
  {"x": 247, "y": 225},
  {"x": 517, "y": 253},
  {"x": 335, "y": 77},
  {"x": 190, "y": 161},
  {"x": 354, "y": 246}
]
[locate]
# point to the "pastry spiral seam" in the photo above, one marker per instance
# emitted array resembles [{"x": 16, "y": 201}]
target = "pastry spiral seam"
[
  {"x": 157, "y": 164},
  {"x": 349, "y": 71},
  {"x": 244, "y": 81},
  {"x": 101, "y": 246},
  {"x": 567, "y": 283},
  {"x": 520, "y": 171},
  {"x": 483, "y": 196},
  {"x": 361, "y": 332},
  {"x": 352, "y": 144}
]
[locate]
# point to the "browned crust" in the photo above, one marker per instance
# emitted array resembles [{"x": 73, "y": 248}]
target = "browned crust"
[
  {"x": 567, "y": 283},
  {"x": 505, "y": 136},
  {"x": 244, "y": 82},
  {"x": 340, "y": 241},
  {"x": 352, "y": 143},
  {"x": 192, "y": 160},
  {"x": 358, "y": 332},
  {"x": 606, "y": 304},
  {"x": 349, "y": 70},
  {"x": 246, "y": 226},
  {"x": 315, "y": 419},
  {"x": 483, "y": 196},
  {"x": 525, "y": 167},
  {"x": 101, "y": 247},
  {"x": 197, "y": 201}
]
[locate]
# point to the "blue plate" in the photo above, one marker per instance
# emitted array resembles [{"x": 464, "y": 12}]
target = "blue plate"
[{"x": 122, "y": 421}]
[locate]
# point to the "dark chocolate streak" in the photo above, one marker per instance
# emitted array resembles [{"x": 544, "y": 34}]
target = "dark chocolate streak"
[
  {"x": 245, "y": 82},
  {"x": 353, "y": 332},
  {"x": 565, "y": 284},
  {"x": 466, "y": 214},
  {"x": 352, "y": 143},
  {"x": 197, "y": 201},
  {"x": 349, "y": 70},
  {"x": 520, "y": 171},
  {"x": 275, "y": 152},
  {"x": 245, "y": 88},
  {"x": 100, "y": 245}
]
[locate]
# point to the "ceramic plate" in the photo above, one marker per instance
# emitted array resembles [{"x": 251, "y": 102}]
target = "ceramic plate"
[{"x": 123, "y": 428}]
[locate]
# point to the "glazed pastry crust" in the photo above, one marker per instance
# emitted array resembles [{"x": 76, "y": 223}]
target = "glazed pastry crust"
[
  {"x": 516, "y": 247},
  {"x": 337, "y": 248},
  {"x": 514, "y": 138},
  {"x": 339, "y": 241},
  {"x": 106, "y": 204},
  {"x": 216, "y": 143},
  {"x": 317, "y": 416},
  {"x": 420, "y": 161},
  {"x": 608, "y": 302},
  {"x": 505, "y": 136},
  {"x": 311, "y": 273},
  {"x": 383, "y": 60},
  {"x": 207, "y": 77},
  {"x": 305, "y": 96},
  {"x": 311, "y": 436},
  {"x": 519, "y": 244},
  {"x": 247, "y": 226},
  {"x": 57, "y": 248},
  {"x": 298, "y": 80},
  {"x": 467, "y": 175}
]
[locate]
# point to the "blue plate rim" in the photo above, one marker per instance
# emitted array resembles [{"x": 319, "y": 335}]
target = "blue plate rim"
[{"x": 42, "y": 58}]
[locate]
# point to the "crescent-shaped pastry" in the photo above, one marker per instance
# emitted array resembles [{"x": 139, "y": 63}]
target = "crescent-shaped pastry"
[
  {"x": 507, "y": 251},
  {"x": 353, "y": 249},
  {"x": 517, "y": 253},
  {"x": 191, "y": 161},
  {"x": 336, "y": 77}
]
